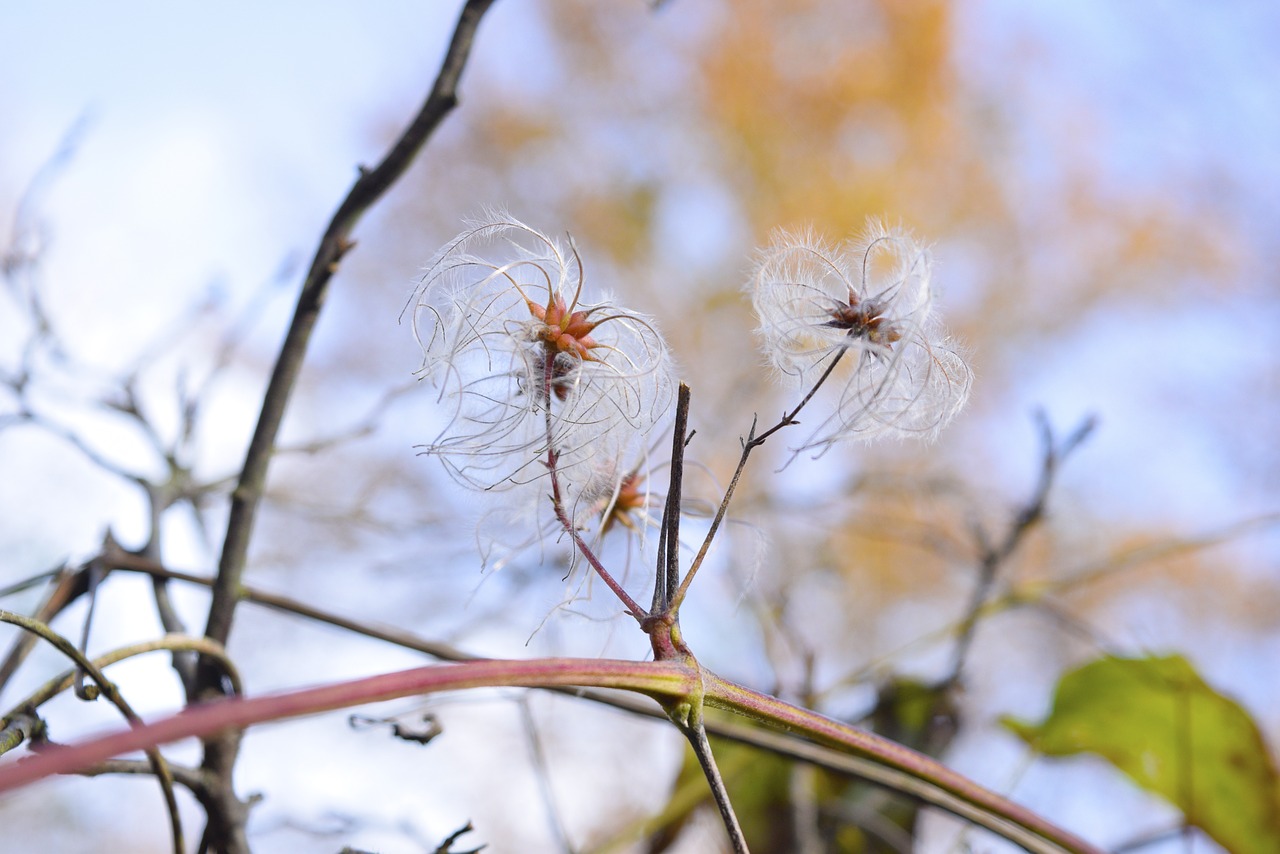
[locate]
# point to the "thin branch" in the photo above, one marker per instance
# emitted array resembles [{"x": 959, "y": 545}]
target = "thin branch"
[
  {"x": 752, "y": 442},
  {"x": 109, "y": 690},
  {"x": 1069, "y": 581},
  {"x": 902, "y": 768},
  {"x": 225, "y": 829},
  {"x": 187, "y": 777},
  {"x": 995, "y": 556},
  {"x": 1154, "y": 837},
  {"x": 667, "y": 577},
  {"x": 584, "y": 548},
  {"x": 170, "y": 643},
  {"x": 562, "y": 515},
  {"x": 95, "y": 574},
  {"x": 540, "y": 772},
  {"x": 696, "y": 733},
  {"x": 67, "y": 587},
  {"x": 335, "y": 243},
  {"x": 29, "y": 582},
  {"x": 446, "y": 847}
]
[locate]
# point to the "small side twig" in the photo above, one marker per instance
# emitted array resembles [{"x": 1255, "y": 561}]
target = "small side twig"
[
  {"x": 68, "y": 585},
  {"x": 19, "y": 727},
  {"x": 186, "y": 777},
  {"x": 995, "y": 555},
  {"x": 446, "y": 847},
  {"x": 562, "y": 515},
  {"x": 749, "y": 444},
  {"x": 95, "y": 574}
]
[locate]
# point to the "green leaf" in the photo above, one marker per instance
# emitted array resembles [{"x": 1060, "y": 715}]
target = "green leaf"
[{"x": 1157, "y": 721}]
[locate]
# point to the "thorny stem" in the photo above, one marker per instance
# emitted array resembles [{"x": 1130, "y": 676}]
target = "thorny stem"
[{"x": 752, "y": 442}]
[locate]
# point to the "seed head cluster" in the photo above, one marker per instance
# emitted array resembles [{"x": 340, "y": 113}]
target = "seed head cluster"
[{"x": 534, "y": 379}]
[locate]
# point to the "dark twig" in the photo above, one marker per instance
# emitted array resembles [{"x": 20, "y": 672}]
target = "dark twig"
[
  {"x": 335, "y": 243},
  {"x": 995, "y": 555},
  {"x": 68, "y": 585},
  {"x": 696, "y": 733},
  {"x": 667, "y": 577},
  {"x": 226, "y": 824},
  {"x": 446, "y": 847},
  {"x": 95, "y": 574}
]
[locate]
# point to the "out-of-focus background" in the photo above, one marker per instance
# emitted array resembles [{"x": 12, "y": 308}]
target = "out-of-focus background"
[{"x": 1100, "y": 186}]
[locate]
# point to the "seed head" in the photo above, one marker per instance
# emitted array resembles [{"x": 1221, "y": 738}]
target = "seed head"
[
  {"x": 529, "y": 370},
  {"x": 871, "y": 302}
]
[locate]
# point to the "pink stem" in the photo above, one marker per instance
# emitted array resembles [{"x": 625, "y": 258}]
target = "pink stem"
[{"x": 657, "y": 679}]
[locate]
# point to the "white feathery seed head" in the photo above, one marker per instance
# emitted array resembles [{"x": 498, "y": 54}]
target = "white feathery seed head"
[
  {"x": 870, "y": 301},
  {"x": 528, "y": 366}
]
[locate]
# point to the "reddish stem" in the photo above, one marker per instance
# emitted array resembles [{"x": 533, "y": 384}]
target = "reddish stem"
[
  {"x": 633, "y": 608},
  {"x": 656, "y": 679}
]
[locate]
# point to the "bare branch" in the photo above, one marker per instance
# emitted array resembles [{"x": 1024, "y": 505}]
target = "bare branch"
[
  {"x": 335, "y": 243},
  {"x": 226, "y": 823},
  {"x": 993, "y": 556}
]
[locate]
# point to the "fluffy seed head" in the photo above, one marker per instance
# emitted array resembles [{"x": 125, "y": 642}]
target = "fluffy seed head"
[
  {"x": 526, "y": 366},
  {"x": 870, "y": 301}
]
